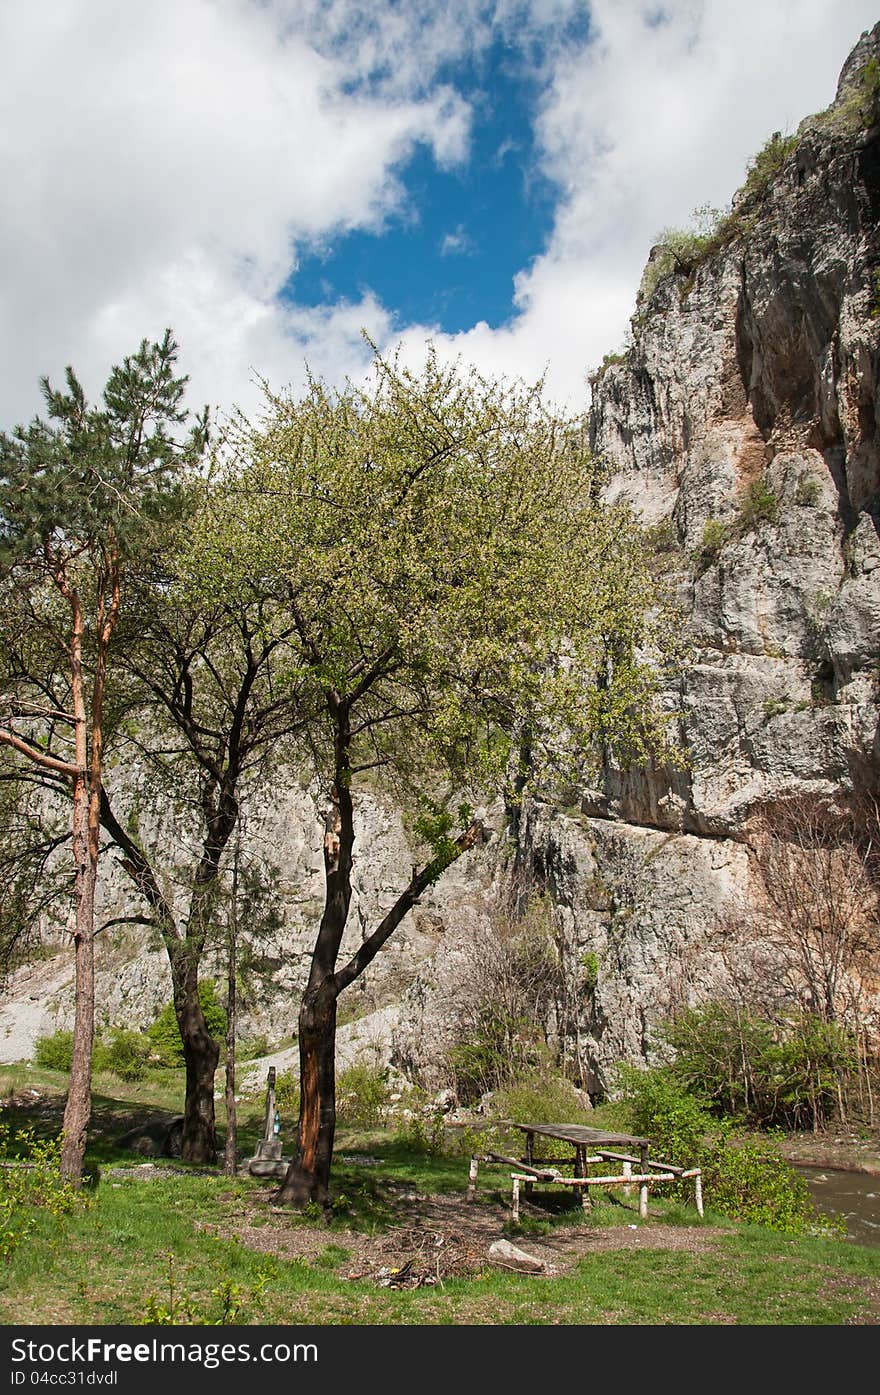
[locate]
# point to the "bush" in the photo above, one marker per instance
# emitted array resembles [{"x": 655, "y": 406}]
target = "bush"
[
  {"x": 509, "y": 985},
  {"x": 774, "y": 707},
  {"x": 27, "y": 1190},
  {"x": 423, "y": 1129},
  {"x": 608, "y": 361},
  {"x": 716, "y": 1049},
  {"x": 164, "y": 1034},
  {"x": 749, "y": 1181},
  {"x": 54, "y": 1052},
  {"x": 125, "y": 1054},
  {"x": 682, "y": 250},
  {"x": 760, "y": 505},
  {"x": 540, "y": 1098},
  {"x": 808, "y": 491},
  {"x": 763, "y": 168},
  {"x": 287, "y": 1096},
  {"x": 860, "y": 106},
  {"x": 252, "y": 1048},
  {"x": 499, "y": 1046},
  {"x": 812, "y": 1059},
  {"x": 764, "y": 1073},
  {"x": 743, "y": 1179},
  {"x": 660, "y": 1107},
  {"x": 362, "y": 1096},
  {"x": 715, "y": 536},
  {"x": 662, "y": 536}
]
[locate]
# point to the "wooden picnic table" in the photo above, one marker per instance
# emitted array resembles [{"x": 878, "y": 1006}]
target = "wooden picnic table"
[
  {"x": 581, "y": 1138},
  {"x": 589, "y": 1146}
]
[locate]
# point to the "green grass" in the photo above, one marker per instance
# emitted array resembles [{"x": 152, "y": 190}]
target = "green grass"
[
  {"x": 161, "y": 1089},
  {"x": 166, "y": 1249},
  {"x": 119, "y": 1261}
]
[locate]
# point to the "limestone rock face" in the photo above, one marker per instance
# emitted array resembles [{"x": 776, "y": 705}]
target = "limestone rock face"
[
  {"x": 133, "y": 980},
  {"x": 745, "y": 423},
  {"x": 746, "y": 419}
]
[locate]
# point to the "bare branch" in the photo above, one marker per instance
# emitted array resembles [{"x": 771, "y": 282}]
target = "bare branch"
[
  {"x": 403, "y": 905},
  {"x": 25, "y": 748}
]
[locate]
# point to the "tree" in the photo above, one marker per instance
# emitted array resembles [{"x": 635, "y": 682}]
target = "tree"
[
  {"x": 802, "y": 956},
  {"x": 507, "y": 993},
  {"x": 83, "y": 496},
  {"x": 819, "y": 912},
  {"x": 458, "y": 593},
  {"x": 34, "y": 886},
  {"x": 211, "y": 700}
]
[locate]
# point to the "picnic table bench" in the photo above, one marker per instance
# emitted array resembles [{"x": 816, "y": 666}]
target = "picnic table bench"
[{"x": 589, "y": 1148}]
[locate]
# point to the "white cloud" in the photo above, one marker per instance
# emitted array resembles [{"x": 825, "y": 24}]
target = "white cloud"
[
  {"x": 164, "y": 163},
  {"x": 458, "y": 243},
  {"x": 161, "y": 164},
  {"x": 656, "y": 114}
]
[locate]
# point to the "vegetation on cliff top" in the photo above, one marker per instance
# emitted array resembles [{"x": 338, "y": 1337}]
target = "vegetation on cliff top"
[{"x": 680, "y": 251}]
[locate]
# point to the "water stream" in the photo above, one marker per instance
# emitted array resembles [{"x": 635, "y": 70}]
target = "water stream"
[{"x": 853, "y": 1195}]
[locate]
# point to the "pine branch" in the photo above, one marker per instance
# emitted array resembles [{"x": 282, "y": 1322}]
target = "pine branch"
[{"x": 26, "y": 748}]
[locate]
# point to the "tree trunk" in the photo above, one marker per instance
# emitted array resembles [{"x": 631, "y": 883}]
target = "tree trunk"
[
  {"x": 231, "y": 1118},
  {"x": 78, "y": 1108},
  {"x": 308, "y": 1177},
  {"x": 201, "y": 1055}
]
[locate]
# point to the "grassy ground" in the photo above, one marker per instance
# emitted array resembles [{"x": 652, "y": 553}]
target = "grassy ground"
[{"x": 159, "y": 1244}]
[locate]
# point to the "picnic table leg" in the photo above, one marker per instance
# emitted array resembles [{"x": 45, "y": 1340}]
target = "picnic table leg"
[
  {"x": 627, "y": 1172},
  {"x": 530, "y": 1153},
  {"x": 643, "y": 1189},
  {"x": 580, "y": 1170}
]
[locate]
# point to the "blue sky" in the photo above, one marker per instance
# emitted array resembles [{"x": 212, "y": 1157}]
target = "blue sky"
[
  {"x": 275, "y": 178},
  {"x": 449, "y": 256}
]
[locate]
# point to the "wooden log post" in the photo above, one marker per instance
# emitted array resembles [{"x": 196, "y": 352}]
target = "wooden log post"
[
  {"x": 580, "y": 1170},
  {"x": 515, "y": 1200},
  {"x": 643, "y": 1189},
  {"x": 698, "y": 1186},
  {"x": 627, "y": 1172},
  {"x": 472, "y": 1179},
  {"x": 611, "y": 1181},
  {"x": 614, "y": 1181}
]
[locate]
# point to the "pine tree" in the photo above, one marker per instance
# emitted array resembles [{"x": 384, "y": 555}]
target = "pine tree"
[{"x": 84, "y": 496}]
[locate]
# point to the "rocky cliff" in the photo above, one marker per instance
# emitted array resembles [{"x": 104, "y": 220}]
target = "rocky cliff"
[
  {"x": 744, "y": 425},
  {"x": 746, "y": 417}
]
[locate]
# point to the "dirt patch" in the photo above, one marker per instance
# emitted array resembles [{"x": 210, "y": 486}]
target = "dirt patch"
[
  {"x": 444, "y": 1236},
  {"x": 840, "y": 1151},
  {"x": 867, "y": 1289}
]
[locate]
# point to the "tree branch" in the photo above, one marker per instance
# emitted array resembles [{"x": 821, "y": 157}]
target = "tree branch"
[
  {"x": 125, "y": 920},
  {"x": 138, "y": 868},
  {"x": 63, "y": 767},
  {"x": 419, "y": 883}
]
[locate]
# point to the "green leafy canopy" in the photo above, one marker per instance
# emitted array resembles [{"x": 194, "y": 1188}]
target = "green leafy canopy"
[{"x": 453, "y": 575}]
